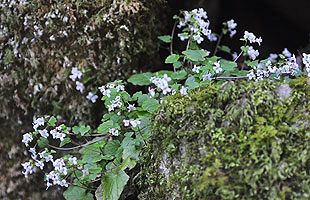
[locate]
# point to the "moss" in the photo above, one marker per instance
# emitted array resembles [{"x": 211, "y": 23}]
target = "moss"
[{"x": 238, "y": 140}]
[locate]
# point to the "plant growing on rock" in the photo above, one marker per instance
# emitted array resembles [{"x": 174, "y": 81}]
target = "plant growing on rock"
[{"x": 107, "y": 153}]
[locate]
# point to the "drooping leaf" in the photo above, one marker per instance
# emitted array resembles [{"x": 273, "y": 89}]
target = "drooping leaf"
[
  {"x": 196, "y": 55},
  {"x": 165, "y": 38},
  {"x": 77, "y": 193},
  {"x": 227, "y": 65},
  {"x": 64, "y": 142},
  {"x": 113, "y": 184},
  {"x": 141, "y": 79},
  {"x": 179, "y": 75},
  {"x": 52, "y": 121},
  {"x": 150, "y": 105},
  {"x": 172, "y": 58}
]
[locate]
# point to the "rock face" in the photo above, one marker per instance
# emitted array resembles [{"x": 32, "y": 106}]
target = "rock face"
[
  {"x": 238, "y": 140},
  {"x": 41, "y": 41}
]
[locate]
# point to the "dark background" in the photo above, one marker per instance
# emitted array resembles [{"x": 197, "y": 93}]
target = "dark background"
[{"x": 281, "y": 23}]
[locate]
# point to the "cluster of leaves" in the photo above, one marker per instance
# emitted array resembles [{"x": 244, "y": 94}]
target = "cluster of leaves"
[
  {"x": 237, "y": 140},
  {"x": 41, "y": 41}
]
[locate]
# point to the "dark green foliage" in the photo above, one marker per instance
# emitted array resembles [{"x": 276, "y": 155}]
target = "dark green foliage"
[{"x": 238, "y": 140}]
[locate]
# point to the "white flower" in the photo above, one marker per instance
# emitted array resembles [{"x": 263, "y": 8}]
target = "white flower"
[
  {"x": 60, "y": 166},
  {"x": 273, "y": 57},
  {"x": 151, "y": 91},
  {"x": 126, "y": 122},
  {"x": 116, "y": 103},
  {"x": 79, "y": 86},
  {"x": 182, "y": 36},
  {"x": 52, "y": 38},
  {"x": 92, "y": 97},
  {"x": 286, "y": 53},
  {"x": 235, "y": 55},
  {"x": 231, "y": 27},
  {"x": 251, "y": 75},
  {"x": 57, "y": 135},
  {"x": 198, "y": 38},
  {"x": 39, "y": 164},
  {"x": 75, "y": 74},
  {"x": 47, "y": 157},
  {"x": 135, "y": 123},
  {"x": 212, "y": 37},
  {"x": 232, "y": 33},
  {"x": 207, "y": 76},
  {"x": 27, "y": 138},
  {"x": 196, "y": 69},
  {"x": 253, "y": 54},
  {"x": 114, "y": 131},
  {"x": 249, "y": 36},
  {"x": 104, "y": 91},
  {"x": 44, "y": 133},
  {"x": 38, "y": 122},
  {"x": 306, "y": 62},
  {"x": 131, "y": 107},
  {"x": 73, "y": 160},
  {"x": 162, "y": 83},
  {"x": 28, "y": 168},
  {"x": 231, "y": 24},
  {"x": 217, "y": 68},
  {"x": 183, "y": 90}
]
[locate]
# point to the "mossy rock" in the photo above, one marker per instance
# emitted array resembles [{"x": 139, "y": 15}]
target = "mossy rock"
[
  {"x": 236, "y": 140},
  {"x": 41, "y": 41}
]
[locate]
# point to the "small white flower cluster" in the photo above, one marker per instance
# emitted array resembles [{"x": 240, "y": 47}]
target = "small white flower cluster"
[
  {"x": 264, "y": 70},
  {"x": 114, "y": 131},
  {"x": 115, "y": 103},
  {"x": 306, "y": 61},
  {"x": 196, "y": 69},
  {"x": 231, "y": 25},
  {"x": 183, "y": 90},
  {"x": 162, "y": 83},
  {"x": 287, "y": 53},
  {"x": 77, "y": 74},
  {"x": 54, "y": 177},
  {"x": 106, "y": 90},
  {"x": 60, "y": 170},
  {"x": 92, "y": 97},
  {"x": 217, "y": 67},
  {"x": 37, "y": 122},
  {"x": 252, "y": 53},
  {"x": 252, "y": 38},
  {"x": 196, "y": 21},
  {"x": 133, "y": 123},
  {"x": 57, "y": 133}
]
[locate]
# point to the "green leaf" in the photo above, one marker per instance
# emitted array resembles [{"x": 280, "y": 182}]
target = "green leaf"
[
  {"x": 105, "y": 126},
  {"x": 191, "y": 83},
  {"x": 42, "y": 142},
  {"x": 172, "y": 58},
  {"x": 141, "y": 79},
  {"x": 64, "y": 142},
  {"x": 196, "y": 55},
  {"x": 225, "y": 49},
  {"x": 150, "y": 105},
  {"x": 165, "y": 38},
  {"x": 227, "y": 65},
  {"x": 111, "y": 147},
  {"x": 77, "y": 193},
  {"x": 177, "y": 64},
  {"x": 52, "y": 121},
  {"x": 113, "y": 184},
  {"x": 179, "y": 75},
  {"x": 81, "y": 130}
]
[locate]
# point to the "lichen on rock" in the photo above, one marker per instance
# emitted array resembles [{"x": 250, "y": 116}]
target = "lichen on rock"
[{"x": 235, "y": 140}]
